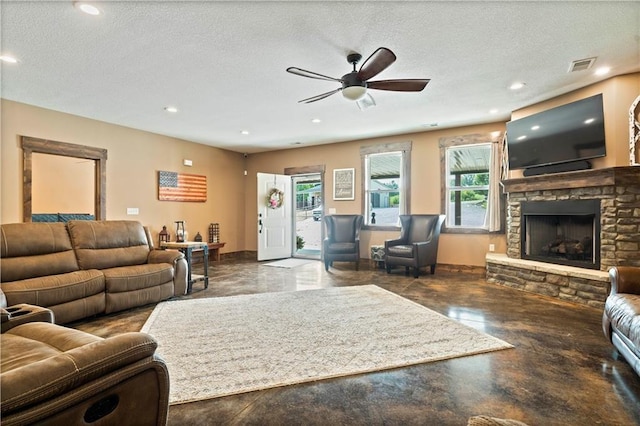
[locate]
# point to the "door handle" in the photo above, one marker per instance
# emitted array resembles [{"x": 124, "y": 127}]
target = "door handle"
[{"x": 260, "y": 226}]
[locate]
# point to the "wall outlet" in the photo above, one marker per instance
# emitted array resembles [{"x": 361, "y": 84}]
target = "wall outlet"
[
  {"x": 132, "y": 210},
  {"x": 492, "y": 247},
  {"x": 187, "y": 163}
]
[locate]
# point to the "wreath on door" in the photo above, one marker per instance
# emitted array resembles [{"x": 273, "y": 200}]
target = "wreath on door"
[{"x": 275, "y": 198}]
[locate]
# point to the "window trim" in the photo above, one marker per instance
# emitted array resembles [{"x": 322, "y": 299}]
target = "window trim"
[
  {"x": 405, "y": 149},
  {"x": 450, "y": 142}
]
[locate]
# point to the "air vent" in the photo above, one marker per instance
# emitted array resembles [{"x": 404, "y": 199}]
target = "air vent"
[{"x": 581, "y": 64}]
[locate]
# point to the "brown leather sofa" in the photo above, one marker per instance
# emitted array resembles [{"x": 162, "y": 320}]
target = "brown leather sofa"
[
  {"x": 84, "y": 268},
  {"x": 621, "y": 316},
  {"x": 56, "y": 375}
]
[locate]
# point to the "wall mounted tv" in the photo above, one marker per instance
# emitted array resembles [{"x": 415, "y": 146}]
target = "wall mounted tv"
[{"x": 558, "y": 139}]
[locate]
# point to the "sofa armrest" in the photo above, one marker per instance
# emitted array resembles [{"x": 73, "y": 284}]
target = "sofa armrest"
[
  {"x": 624, "y": 279},
  {"x": 180, "y": 267},
  {"x": 164, "y": 256},
  {"x": 23, "y": 313}
]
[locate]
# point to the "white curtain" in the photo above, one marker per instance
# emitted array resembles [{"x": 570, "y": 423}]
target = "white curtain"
[{"x": 492, "y": 218}]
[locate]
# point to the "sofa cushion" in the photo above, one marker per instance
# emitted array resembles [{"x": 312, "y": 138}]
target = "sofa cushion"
[
  {"x": 342, "y": 248},
  {"x": 400, "y": 251},
  {"x": 55, "y": 289},
  {"x": 130, "y": 278},
  {"x": 422, "y": 227},
  {"x": 30, "y": 250},
  {"x": 108, "y": 244},
  {"x": 41, "y": 360},
  {"x": 624, "y": 313}
]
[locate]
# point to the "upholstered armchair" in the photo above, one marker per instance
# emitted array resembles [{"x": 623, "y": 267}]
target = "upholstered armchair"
[
  {"x": 342, "y": 243},
  {"x": 418, "y": 243}
]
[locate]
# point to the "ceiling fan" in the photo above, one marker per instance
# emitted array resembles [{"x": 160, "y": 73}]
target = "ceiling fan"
[{"x": 355, "y": 84}]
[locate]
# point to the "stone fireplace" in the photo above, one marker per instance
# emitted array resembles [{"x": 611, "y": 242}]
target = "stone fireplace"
[{"x": 583, "y": 223}]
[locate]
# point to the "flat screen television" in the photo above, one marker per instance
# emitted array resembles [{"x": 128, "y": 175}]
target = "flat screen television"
[{"x": 569, "y": 133}]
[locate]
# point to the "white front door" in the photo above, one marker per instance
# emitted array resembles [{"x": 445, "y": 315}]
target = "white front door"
[{"x": 275, "y": 216}]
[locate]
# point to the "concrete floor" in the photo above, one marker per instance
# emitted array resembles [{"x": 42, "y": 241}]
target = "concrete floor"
[{"x": 562, "y": 371}]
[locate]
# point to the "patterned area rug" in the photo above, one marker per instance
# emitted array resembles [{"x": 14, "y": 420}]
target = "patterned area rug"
[{"x": 228, "y": 345}]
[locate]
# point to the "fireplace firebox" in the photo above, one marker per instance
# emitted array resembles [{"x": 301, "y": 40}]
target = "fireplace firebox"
[{"x": 565, "y": 232}]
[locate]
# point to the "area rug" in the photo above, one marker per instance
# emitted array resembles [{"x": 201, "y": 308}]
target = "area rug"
[
  {"x": 228, "y": 345},
  {"x": 289, "y": 263}
]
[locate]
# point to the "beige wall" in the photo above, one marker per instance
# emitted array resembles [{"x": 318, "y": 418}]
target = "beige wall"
[
  {"x": 134, "y": 159},
  {"x": 65, "y": 184},
  {"x": 425, "y": 188},
  {"x": 136, "y": 156},
  {"x": 617, "y": 96}
]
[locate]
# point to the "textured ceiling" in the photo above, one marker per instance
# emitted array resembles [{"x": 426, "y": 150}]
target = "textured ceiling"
[{"x": 223, "y": 63}]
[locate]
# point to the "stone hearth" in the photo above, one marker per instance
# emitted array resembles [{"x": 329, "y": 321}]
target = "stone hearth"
[{"x": 618, "y": 191}]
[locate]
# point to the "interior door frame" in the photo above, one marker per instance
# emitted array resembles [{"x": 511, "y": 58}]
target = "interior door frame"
[
  {"x": 307, "y": 170},
  {"x": 45, "y": 146}
]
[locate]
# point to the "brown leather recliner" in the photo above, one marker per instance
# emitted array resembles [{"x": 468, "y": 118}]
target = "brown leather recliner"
[
  {"x": 342, "y": 243},
  {"x": 418, "y": 243},
  {"x": 621, "y": 316},
  {"x": 51, "y": 374}
]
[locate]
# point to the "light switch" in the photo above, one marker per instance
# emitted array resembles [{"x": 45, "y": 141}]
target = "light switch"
[{"x": 132, "y": 210}]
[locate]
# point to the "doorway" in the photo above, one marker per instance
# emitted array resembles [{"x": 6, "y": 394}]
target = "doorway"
[{"x": 308, "y": 193}]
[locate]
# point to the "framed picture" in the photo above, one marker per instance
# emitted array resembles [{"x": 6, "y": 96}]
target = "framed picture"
[{"x": 343, "y": 184}]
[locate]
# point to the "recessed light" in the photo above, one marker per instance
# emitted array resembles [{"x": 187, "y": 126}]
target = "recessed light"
[
  {"x": 8, "y": 59},
  {"x": 522, "y": 137},
  {"x": 602, "y": 71},
  {"x": 589, "y": 120},
  {"x": 493, "y": 111},
  {"x": 87, "y": 8},
  {"x": 171, "y": 109},
  {"x": 517, "y": 86},
  {"x": 316, "y": 120},
  {"x": 536, "y": 127},
  {"x": 244, "y": 132}
]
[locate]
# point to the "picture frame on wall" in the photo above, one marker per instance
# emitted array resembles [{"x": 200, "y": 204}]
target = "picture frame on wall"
[{"x": 343, "y": 184}]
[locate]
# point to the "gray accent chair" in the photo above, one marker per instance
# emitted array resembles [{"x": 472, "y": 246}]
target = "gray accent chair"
[
  {"x": 418, "y": 243},
  {"x": 342, "y": 243}
]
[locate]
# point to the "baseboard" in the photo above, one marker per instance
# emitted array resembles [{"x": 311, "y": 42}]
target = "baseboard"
[{"x": 464, "y": 269}]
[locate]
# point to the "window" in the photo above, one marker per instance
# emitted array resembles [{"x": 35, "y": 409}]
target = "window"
[
  {"x": 386, "y": 183},
  {"x": 467, "y": 185},
  {"x": 471, "y": 172}
]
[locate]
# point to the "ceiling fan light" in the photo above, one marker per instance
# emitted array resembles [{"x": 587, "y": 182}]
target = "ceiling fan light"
[{"x": 354, "y": 93}]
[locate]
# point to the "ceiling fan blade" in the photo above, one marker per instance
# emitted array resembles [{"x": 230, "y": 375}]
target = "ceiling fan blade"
[
  {"x": 311, "y": 74},
  {"x": 404, "y": 85},
  {"x": 376, "y": 63},
  {"x": 319, "y": 97}
]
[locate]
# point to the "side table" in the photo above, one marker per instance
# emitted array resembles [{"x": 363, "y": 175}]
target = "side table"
[
  {"x": 214, "y": 250},
  {"x": 187, "y": 248},
  {"x": 377, "y": 255}
]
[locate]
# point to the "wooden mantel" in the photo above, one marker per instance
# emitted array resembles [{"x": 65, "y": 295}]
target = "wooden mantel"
[{"x": 581, "y": 179}]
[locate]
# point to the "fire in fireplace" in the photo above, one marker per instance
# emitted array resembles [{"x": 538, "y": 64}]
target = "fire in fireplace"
[{"x": 565, "y": 232}]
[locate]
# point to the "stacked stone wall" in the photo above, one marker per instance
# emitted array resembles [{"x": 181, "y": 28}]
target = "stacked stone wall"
[
  {"x": 585, "y": 290},
  {"x": 619, "y": 220}
]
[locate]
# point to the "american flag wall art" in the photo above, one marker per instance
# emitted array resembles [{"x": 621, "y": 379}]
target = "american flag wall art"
[{"x": 174, "y": 186}]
